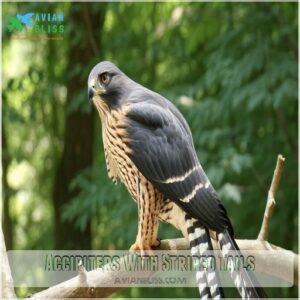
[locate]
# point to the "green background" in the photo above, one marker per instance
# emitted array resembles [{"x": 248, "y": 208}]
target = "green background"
[{"x": 231, "y": 68}]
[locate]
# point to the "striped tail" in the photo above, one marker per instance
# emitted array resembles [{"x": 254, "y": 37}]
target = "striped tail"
[
  {"x": 208, "y": 280},
  {"x": 244, "y": 281}
]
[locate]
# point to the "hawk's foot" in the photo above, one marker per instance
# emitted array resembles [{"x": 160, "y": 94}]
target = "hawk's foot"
[
  {"x": 156, "y": 243},
  {"x": 145, "y": 249}
]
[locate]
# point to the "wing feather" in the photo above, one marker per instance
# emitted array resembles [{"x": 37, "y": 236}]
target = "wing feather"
[{"x": 163, "y": 151}]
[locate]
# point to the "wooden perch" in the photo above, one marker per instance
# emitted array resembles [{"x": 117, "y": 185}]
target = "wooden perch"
[
  {"x": 97, "y": 284},
  {"x": 264, "y": 231},
  {"x": 96, "y": 280}
]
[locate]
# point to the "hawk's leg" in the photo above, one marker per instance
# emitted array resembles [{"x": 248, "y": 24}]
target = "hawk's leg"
[{"x": 148, "y": 200}]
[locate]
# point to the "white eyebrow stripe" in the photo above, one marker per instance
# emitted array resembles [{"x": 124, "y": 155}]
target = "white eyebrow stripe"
[
  {"x": 193, "y": 193},
  {"x": 182, "y": 177}
]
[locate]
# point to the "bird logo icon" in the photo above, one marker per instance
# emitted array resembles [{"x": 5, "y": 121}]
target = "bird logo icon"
[
  {"x": 25, "y": 19},
  {"x": 16, "y": 23}
]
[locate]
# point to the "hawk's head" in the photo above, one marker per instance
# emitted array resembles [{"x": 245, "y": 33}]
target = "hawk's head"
[{"x": 108, "y": 86}]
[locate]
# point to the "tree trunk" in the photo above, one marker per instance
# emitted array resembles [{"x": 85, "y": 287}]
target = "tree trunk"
[
  {"x": 7, "y": 221},
  {"x": 78, "y": 137}
]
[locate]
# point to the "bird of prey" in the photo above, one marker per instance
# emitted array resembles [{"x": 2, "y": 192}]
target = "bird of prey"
[{"x": 149, "y": 147}]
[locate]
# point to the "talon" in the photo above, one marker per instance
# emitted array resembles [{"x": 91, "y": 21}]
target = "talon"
[
  {"x": 156, "y": 243},
  {"x": 142, "y": 249}
]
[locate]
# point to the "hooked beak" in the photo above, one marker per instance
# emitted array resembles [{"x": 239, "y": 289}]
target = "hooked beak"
[
  {"x": 94, "y": 90},
  {"x": 91, "y": 93}
]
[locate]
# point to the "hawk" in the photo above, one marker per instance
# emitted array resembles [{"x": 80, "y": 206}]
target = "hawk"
[{"x": 149, "y": 147}]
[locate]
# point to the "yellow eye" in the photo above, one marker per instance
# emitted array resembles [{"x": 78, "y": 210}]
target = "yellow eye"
[{"x": 104, "y": 78}]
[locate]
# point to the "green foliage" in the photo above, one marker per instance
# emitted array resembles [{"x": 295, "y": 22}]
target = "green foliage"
[{"x": 231, "y": 68}]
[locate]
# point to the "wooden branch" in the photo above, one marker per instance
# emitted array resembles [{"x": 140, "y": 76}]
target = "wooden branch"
[
  {"x": 97, "y": 284},
  {"x": 264, "y": 231},
  {"x": 7, "y": 285},
  {"x": 96, "y": 280}
]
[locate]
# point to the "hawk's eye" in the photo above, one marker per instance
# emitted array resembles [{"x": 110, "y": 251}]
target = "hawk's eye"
[{"x": 104, "y": 78}]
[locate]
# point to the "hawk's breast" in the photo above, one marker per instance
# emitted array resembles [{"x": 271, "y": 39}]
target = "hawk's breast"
[{"x": 119, "y": 165}]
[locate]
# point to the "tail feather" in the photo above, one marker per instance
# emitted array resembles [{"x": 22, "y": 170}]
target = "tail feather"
[
  {"x": 207, "y": 278},
  {"x": 245, "y": 281},
  {"x": 200, "y": 273},
  {"x": 216, "y": 288}
]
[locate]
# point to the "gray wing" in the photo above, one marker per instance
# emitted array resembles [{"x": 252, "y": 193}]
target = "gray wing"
[{"x": 162, "y": 149}]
